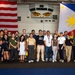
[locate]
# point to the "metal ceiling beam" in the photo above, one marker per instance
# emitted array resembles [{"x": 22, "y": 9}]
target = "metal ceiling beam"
[
  {"x": 48, "y": 2},
  {"x": 40, "y": 1}
]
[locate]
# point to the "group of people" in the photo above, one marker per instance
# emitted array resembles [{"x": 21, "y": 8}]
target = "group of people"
[{"x": 41, "y": 47}]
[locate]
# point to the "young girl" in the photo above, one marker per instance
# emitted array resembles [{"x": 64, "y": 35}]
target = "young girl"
[
  {"x": 22, "y": 48},
  {"x": 54, "y": 47}
]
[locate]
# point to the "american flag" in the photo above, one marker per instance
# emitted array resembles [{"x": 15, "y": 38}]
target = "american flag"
[{"x": 8, "y": 16}]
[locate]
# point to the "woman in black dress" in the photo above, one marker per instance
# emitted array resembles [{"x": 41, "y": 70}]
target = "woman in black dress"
[{"x": 5, "y": 47}]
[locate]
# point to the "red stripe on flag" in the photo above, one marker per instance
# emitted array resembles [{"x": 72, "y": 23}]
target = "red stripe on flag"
[
  {"x": 8, "y": 20},
  {"x": 12, "y": 9},
  {"x": 5, "y": 15},
  {"x": 8, "y": 26},
  {"x": 8, "y": 14},
  {"x": 7, "y": 2}
]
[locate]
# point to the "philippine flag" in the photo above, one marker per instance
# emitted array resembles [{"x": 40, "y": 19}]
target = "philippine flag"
[{"x": 67, "y": 18}]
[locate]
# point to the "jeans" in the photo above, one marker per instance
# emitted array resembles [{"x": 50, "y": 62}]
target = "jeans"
[
  {"x": 49, "y": 52},
  {"x": 54, "y": 52}
]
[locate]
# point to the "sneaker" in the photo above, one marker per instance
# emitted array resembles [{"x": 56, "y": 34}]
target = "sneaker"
[
  {"x": 50, "y": 59},
  {"x": 32, "y": 60},
  {"x": 43, "y": 60},
  {"x": 62, "y": 61},
  {"x": 53, "y": 61},
  {"x": 37, "y": 60},
  {"x": 74, "y": 60},
  {"x": 29, "y": 61},
  {"x": 46, "y": 59}
]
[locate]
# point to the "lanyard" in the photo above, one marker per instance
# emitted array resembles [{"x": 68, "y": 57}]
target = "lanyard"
[{"x": 48, "y": 39}]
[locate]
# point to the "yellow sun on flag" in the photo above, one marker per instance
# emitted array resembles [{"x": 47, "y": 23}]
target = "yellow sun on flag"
[
  {"x": 71, "y": 21},
  {"x": 62, "y": 6}
]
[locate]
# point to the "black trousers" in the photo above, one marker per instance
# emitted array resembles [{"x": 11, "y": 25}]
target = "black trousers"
[
  {"x": 13, "y": 54},
  {"x": 61, "y": 52},
  {"x": 73, "y": 48},
  {"x": 31, "y": 51}
]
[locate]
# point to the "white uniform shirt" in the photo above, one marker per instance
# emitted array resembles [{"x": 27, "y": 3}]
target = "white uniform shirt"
[
  {"x": 61, "y": 40},
  {"x": 48, "y": 40}
]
